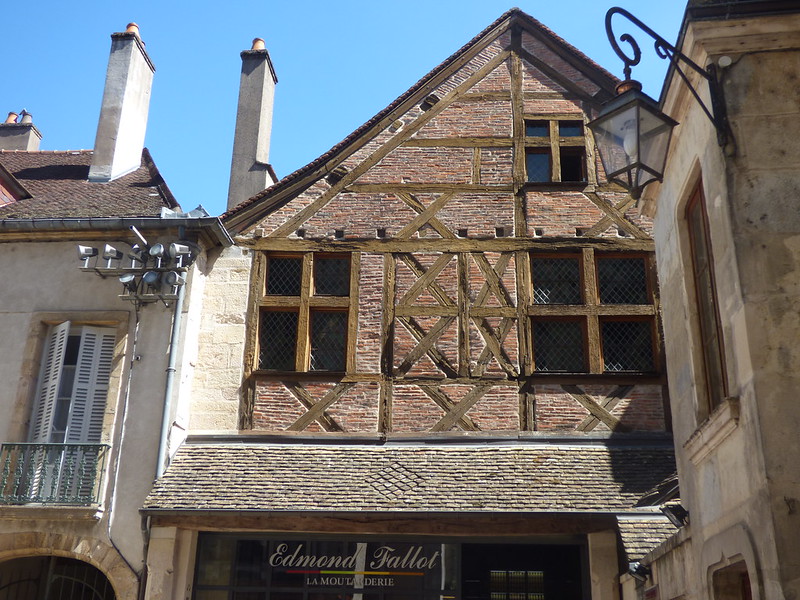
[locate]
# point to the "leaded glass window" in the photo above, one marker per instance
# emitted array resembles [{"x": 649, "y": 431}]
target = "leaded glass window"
[
  {"x": 558, "y": 346},
  {"x": 305, "y": 329},
  {"x": 556, "y": 280},
  {"x": 622, "y": 280},
  {"x": 284, "y": 276},
  {"x": 627, "y": 346}
]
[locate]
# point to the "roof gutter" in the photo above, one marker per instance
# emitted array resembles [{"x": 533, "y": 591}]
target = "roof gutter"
[{"x": 212, "y": 225}]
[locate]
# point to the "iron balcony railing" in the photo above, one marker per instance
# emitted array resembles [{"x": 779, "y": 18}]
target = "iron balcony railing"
[{"x": 52, "y": 473}]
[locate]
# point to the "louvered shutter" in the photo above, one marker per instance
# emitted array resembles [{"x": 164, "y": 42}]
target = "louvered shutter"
[
  {"x": 49, "y": 379},
  {"x": 90, "y": 389}
]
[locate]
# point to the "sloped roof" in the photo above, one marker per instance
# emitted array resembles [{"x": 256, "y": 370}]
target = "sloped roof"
[
  {"x": 641, "y": 535},
  {"x": 59, "y": 187},
  {"x": 305, "y": 176},
  {"x": 409, "y": 478}
]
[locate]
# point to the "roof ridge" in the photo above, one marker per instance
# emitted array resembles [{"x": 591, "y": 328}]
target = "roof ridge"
[{"x": 83, "y": 151}]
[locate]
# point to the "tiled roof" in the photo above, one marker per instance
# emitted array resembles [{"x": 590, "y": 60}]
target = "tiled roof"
[
  {"x": 409, "y": 478},
  {"x": 640, "y": 535},
  {"x": 59, "y": 186}
]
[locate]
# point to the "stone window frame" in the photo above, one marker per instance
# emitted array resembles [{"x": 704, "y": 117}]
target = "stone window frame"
[
  {"x": 40, "y": 324},
  {"x": 305, "y": 305},
  {"x": 591, "y": 313},
  {"x": 708, "y": 327}
]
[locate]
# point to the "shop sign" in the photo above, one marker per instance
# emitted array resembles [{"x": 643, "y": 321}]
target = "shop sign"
[{"x": 367, "y": 565}]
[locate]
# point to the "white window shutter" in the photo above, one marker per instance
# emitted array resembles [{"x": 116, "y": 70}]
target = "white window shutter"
[
  {"x": 49, "y": 379},
  {"x": 90, "y": 389}
]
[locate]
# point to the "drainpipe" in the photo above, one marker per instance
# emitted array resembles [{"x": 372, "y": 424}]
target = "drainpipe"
[{"x": 173, "y": 352}]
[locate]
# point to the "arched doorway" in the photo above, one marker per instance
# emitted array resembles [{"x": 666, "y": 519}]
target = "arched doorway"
[{"x": 52, "y": 578}]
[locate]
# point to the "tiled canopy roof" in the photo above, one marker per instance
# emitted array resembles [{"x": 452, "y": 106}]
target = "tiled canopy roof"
[
  {"x": 640, "y": 535},
  {"x": 409, "y": 478},
  {"x": 59, "y": 188}
]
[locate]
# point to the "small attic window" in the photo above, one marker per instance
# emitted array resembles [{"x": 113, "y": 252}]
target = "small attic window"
[
  {"x": 11, "y": 190},
  {"x": 555, "y": 150},
  {"x": 429, "y": 101},
  {"x": 336, "y": 175}
]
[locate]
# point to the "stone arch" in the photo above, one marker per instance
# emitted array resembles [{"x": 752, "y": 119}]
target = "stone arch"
[
  {"x": 92, "y": 551},
  {"x": 729, "y": 548}
]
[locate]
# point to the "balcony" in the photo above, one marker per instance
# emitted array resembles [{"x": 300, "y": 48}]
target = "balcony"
[{"x": 63, "y": 474}]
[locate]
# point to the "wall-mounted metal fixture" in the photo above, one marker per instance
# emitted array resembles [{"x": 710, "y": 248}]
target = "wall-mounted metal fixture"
[
  {"x": 675, "y": 512},
  {"x": 155, "y": 272},
  {"x": 631, "y": 132},
  {"x": 639, "y": 571}
]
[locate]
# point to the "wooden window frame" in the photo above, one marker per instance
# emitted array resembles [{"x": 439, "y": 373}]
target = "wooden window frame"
[
  {"x": 592, "y": 312},
  {"x": 554, "y": 143},
  {"x": 306, "y": 305},
  {"x": 709, "y": 325}
]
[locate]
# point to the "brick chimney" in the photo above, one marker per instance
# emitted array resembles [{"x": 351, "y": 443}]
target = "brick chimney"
[
  {"x": 21, "y": 135},
  {"x": 123, "y": 114},
  {"x": 250, "y": 169}
]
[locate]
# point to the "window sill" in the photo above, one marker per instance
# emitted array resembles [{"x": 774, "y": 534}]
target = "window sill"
[
  {"x": 713, "y": 431},
  {"x": 582, "y": 186},
  {"x": 50, "y": 512}
]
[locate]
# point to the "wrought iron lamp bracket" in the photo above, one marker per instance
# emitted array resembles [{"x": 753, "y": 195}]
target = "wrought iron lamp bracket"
[{"x": 716, "y": 113}]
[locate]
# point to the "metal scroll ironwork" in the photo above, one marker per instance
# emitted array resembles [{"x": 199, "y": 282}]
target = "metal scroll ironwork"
[{"x": 677, "y": 59}]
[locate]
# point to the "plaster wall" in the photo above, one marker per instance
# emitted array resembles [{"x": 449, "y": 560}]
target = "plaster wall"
[
  {"x": 42, "y": 283},
  {"x": 738, "y": 476}
]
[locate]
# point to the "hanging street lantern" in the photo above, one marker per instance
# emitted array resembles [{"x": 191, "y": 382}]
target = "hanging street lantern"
[
  {"x": 631, "y": 133},
  {"x": 632, "y": 137}
]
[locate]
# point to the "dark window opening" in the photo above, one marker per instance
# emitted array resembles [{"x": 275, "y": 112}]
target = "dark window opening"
[
  {"x": 328, "y": 341},
  {"x": 573, "y": 164},
  {"x": 570, "y": 128}
]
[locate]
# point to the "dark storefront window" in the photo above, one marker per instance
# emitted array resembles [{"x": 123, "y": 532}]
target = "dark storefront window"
[{"x": 231, "y": 568}]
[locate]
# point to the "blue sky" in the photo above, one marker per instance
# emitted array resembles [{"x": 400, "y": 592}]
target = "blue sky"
[{"x": 338, "y": 63}]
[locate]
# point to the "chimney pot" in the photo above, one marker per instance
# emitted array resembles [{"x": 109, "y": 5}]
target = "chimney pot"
[
  {"x": 258, "y": 44},
  {"x": 132, "y": 28},
  {"x": 19, "y": 135}
]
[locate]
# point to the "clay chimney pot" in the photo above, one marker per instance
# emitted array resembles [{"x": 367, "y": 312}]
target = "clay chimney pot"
[
  {"x": 258, "y": 44},
  {"x": 12, "y": 117}
]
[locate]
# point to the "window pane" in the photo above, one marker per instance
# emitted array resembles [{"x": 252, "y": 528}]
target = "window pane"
[
  {"x": 622, "y": 281},
  {"x": 251, "y": 556},
  {"x": 328, "y": 341},
  {"x": 558, "y": 346},
  {"x": 556, "y": 280},
  {"x": 573, "y": 164},
  {"x": 283, "y": 276},
  {"x": 627, "y": 346},
  {"x": 331, "y": 276},
  {"x": 538, "y": 166},
  {"x": 277, "y": 339},
  {"x": 537, "y": 128},
  {"x": 214, "y": 560},
  {"x": 570, "y": 128}
]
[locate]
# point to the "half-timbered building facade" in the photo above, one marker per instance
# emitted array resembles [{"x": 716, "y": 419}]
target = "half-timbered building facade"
[{"x": 448, "y": 381}]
